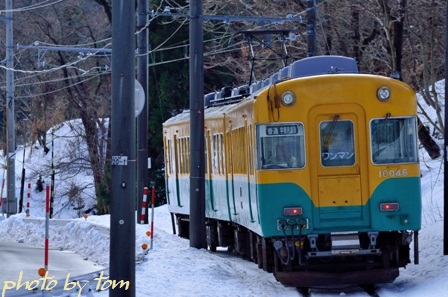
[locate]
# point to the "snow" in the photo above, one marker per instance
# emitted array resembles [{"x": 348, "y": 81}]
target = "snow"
[{"x": 173, "y": 268}]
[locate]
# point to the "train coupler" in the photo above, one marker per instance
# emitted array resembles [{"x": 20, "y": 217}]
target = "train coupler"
[{"x": 373, "y": 236}]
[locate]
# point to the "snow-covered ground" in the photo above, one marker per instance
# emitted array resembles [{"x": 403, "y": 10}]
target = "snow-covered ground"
[{"x": 172, "y": 268}]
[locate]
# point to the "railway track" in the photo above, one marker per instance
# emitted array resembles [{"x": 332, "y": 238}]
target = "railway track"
[{"x": 368, "y": 289}]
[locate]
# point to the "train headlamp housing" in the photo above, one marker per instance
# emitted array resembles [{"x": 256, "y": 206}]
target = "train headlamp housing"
[
  {"x": 288, "y": 98},
  {"x": 383, "y": 93}
]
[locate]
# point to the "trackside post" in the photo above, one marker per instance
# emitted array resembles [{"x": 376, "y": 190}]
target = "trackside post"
[
  {"x": 47, "y": 223},
  {"x": 28, "y": 200},
  {"x": 153, "y": 197},
  {"x": 143, "y": 213}
]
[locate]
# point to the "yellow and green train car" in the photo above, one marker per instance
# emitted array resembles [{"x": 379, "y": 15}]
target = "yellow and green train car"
[{"x": 312, "y": 173}]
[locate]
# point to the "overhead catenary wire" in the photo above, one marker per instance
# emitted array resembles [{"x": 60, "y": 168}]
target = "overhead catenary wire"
[
  {"x": 46, "y": 70},
  {"x": 97, "y": 74},
  {"x": 231, "y": 48},
  {"x": 156, "y": 14},
  {"x": 59, "y": 79},
  {"x": 94, "y": 51},
  {"x": 159, "y": 48},
  {"x": 57, "y": 90},
  {"x": 39, "y": 5}
]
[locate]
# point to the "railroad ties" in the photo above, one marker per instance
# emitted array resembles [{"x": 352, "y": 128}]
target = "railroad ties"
[{"x": 369, "y": 289}]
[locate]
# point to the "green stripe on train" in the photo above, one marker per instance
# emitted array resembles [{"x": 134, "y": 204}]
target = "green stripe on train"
[{"x": 274, "y": 197}]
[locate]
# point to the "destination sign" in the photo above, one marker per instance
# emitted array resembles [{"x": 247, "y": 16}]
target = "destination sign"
[{"x": 282, "y": 130}]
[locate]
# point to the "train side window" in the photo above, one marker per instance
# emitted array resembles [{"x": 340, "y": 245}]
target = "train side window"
[
  {"x": 182, "y": 160},
  {"x": 337, "y": 145},
  {"x": 251, "y": 149},
  {"x": 217, "y": 154},
  {"x": 169, "y": 155},
  {"x": 394, "y": 140},
  {"x": 280, "y": 146},
  {"x": 207, "y": 150},
  {"x": 180, "y": 156}
]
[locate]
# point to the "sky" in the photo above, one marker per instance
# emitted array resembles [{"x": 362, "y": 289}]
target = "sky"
[{"x": 173, "y": 268}]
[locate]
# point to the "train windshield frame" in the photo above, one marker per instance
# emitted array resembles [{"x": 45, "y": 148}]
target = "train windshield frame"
[
  {"x": 280, "y": 146},
  {"x": 393, "y": 140}
]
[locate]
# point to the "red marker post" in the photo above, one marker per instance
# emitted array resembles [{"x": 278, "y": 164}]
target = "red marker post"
[
  {"x": 28, "y": 200},
  {"x": 42, "y": 271},
  {"x": 47, "y": 229},
  {"x": 153, "y": 197},
  {"x": 143, "y": 214}
]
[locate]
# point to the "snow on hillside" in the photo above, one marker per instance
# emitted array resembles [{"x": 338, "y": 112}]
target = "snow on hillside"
[{"x": 74, "y": 191}]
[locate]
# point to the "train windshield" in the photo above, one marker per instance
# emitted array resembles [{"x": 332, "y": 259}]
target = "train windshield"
[
  {"x": 394, "y": 140},
  {"x": 337, "y": 143},
  {"x": 280, "y": 146}
]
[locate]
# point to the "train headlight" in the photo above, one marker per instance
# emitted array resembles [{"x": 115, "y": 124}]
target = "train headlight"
[
  {"x": 383, "y": 93},
  {"x": 288, "y": 98}
]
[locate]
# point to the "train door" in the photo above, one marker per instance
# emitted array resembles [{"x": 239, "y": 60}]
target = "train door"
[
  {"x": 176, "y": 170},
  {"x": 168, "y": 166},
  {"x": 230, "y": 172},
  {"x": 209, "y": 168},
  {"x": 338, "y": 141}
]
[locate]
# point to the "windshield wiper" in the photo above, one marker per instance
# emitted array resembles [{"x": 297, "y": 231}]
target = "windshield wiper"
[{"x": 328, "y": 135}]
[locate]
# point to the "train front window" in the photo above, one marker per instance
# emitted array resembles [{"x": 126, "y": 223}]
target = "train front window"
[
  {"x": 280, "y": 146},
  {"x": 337, "y": 144},
  {"x": 394, "y": 140}
]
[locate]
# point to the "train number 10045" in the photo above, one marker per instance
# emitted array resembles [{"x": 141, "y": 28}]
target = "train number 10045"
[{"x": 392, "y": 173}]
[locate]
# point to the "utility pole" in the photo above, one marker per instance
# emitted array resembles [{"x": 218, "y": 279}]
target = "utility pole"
[
  {"x": 445, "y": 153},
  {"x": 142, "y": 119},
  {"x": 197, "y": 161},
  {"x": 123, "y": 171},
  {"x": 11, "y": 200},
  {"x": 311, "y": 27}
]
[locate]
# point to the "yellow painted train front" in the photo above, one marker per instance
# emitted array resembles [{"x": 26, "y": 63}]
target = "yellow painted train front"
[{"x": 313, "y": 173}]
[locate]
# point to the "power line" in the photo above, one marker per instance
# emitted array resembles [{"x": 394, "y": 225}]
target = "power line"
[
  {"x": 231, "y": 18},
  {"x": 32, "y": 7},
  {"x": 166, "y": 13},
  {"x": 58, "y": 67},
  {"x": 95, "y": 75},
  {"x": 87, "y": 50},
  {"x": 60, "y": 89}
]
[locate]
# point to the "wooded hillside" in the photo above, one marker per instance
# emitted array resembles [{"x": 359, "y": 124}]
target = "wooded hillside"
[{"x": 62, "y": 57}]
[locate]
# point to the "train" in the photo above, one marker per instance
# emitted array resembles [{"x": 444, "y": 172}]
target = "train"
[{"x": 312, "y": 173}]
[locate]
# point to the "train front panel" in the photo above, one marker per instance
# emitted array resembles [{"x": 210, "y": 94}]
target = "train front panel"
[{"x": 337, "y": 158}]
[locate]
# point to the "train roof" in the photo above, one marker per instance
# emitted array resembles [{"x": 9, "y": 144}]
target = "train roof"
[
  {"x": 224, "y": 99},
  {"x": 320, "y": 65},
  {"x": 208, "y": 111},
  {"x": 311, "y": 66}
]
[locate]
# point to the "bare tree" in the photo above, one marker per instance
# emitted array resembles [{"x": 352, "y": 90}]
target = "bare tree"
[
  {"x": 425, "y": 44},
  {"x": 53, "y": 86},
  {"x": 62, "y": 84}
]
